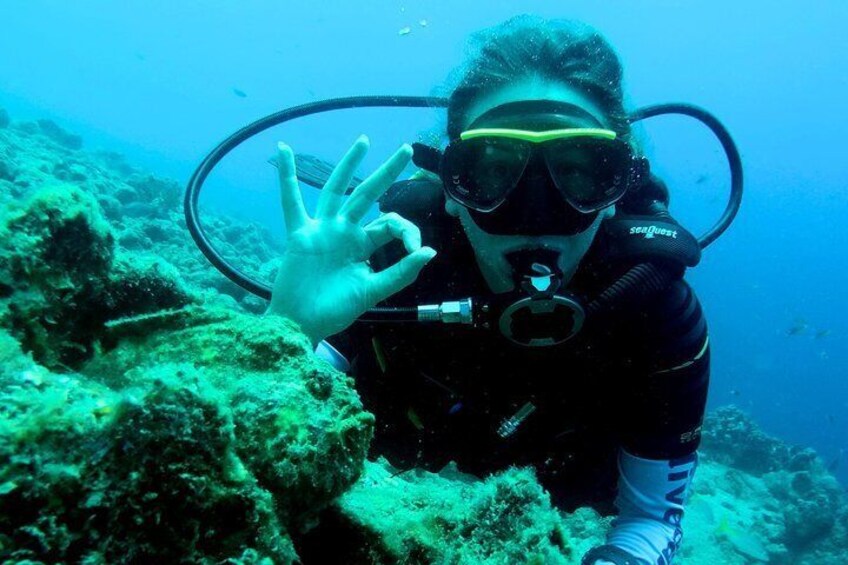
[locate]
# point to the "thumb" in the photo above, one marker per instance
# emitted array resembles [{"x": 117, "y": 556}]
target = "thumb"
[{"x": 400, "y": 275}]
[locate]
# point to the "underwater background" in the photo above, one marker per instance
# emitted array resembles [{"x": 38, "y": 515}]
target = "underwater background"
[{"x": 162, "y": 82}]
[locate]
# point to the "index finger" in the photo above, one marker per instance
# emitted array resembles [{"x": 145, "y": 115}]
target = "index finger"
[{"x": 294, "y": 212}]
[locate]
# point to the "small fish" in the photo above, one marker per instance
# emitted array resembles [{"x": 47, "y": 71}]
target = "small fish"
[
  {"x": 799, "y": 327},
  {"x": 314, "y": 171},
  {"x": 455, "y": 408},
  {"x": 240, "y": 93},
  {"x": 742, "y": 540},
  {"x": 822, "y": 334},
  {"x": 702, "y": 178},
  {"x": 404, "y": 30},
  {"x": 734, "y": 392},
  {"x": 422, "y": 23},
  {"x": 140, "y": 56}
]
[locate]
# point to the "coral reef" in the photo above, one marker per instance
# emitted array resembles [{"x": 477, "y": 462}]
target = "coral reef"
[
  {"x": 60, "y": 278},
  {"x": 143, "y": 418},
  {"x": 206, "y": 440},
  {"x": 142, "y": 210},
  {"x": 396, "y": 518},
  {"x": 737, "y": 441},
  {"x": 52, "y": 130},
  {"x": 148, "y": 415}
]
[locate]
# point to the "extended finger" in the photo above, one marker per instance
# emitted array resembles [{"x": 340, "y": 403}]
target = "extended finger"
[
  {"x": 392, "y": 226},
  {"x": 334, "y": 190},
  {"x": 400, "y": 275},
  {"x": 375, "y": 185},
  {"x": 294, "y": 212}
]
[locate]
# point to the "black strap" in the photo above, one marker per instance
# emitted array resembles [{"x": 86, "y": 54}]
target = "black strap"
[{"x": 613, "y": 554}]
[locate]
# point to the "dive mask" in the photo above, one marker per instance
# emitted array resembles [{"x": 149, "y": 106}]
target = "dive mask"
[{"x": 532, "y": 145}]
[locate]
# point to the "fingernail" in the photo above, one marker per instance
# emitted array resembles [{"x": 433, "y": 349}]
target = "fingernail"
[
  {"x": 428, "y": 253},
  {"x": 362, "y": 139},
  {"x": 282, "y": 146}
]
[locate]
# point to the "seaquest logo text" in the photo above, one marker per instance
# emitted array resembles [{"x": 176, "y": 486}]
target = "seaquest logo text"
[{"x": 651, "y": 231}]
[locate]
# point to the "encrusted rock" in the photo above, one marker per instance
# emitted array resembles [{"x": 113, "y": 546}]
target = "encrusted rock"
[{"x": 64, "y": 138}]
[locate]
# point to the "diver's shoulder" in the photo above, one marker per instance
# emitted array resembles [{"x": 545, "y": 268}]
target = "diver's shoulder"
[
  {"x": 417, "y": 195},
  {"x": 675, "y": 318}
]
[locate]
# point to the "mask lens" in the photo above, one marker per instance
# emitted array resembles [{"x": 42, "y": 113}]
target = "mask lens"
[
  {"x": 481, "y": 172},
  {"x": 590, "y": 173}
]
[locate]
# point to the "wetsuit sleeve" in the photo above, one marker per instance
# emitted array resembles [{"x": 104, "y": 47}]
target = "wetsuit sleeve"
[
  {"x": 662, "y": 409},
  {"x": 651, "y": 497},
  {"x": 665, "y": 388}
]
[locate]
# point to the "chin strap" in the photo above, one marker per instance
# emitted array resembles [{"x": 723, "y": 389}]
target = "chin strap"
[{"x": 612, "y": 554}]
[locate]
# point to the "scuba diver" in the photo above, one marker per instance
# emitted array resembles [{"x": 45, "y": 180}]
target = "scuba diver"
[{"x": 540, "y": 237}]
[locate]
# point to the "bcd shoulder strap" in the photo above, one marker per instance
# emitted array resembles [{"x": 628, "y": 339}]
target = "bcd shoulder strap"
[
  {"x": 642, "y": 230},
  {"x": 640, "y": 238}
]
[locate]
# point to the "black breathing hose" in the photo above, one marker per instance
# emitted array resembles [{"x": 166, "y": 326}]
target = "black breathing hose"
[
  {"x": 389, "y": 314},
  {"x": 195, "y": 184},
  {"x": 639, "y": 280},
  {"x": 645, "y": 279},
  {"x": 734, "y": 160}
]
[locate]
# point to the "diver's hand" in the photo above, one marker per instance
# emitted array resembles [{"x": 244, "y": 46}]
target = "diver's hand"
[{"x": 324, "y": 282}]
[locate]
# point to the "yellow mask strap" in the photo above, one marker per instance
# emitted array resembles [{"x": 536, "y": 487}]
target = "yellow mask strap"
[{"x": 538, "y": 136}]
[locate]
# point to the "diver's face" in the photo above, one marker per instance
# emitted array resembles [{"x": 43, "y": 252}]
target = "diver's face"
[{"x": 524, "y": 224}]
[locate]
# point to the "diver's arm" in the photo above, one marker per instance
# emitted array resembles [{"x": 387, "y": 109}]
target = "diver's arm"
[
  {"x": 651, "y": 496},
  {"x": 663, "y": 412}
]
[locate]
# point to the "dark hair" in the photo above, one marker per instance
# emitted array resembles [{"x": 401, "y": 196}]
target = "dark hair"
[{"x": 526, "y": 47}]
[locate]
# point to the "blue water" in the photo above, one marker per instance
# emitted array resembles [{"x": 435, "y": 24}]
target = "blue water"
[{"x": 163, "y": 81}]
